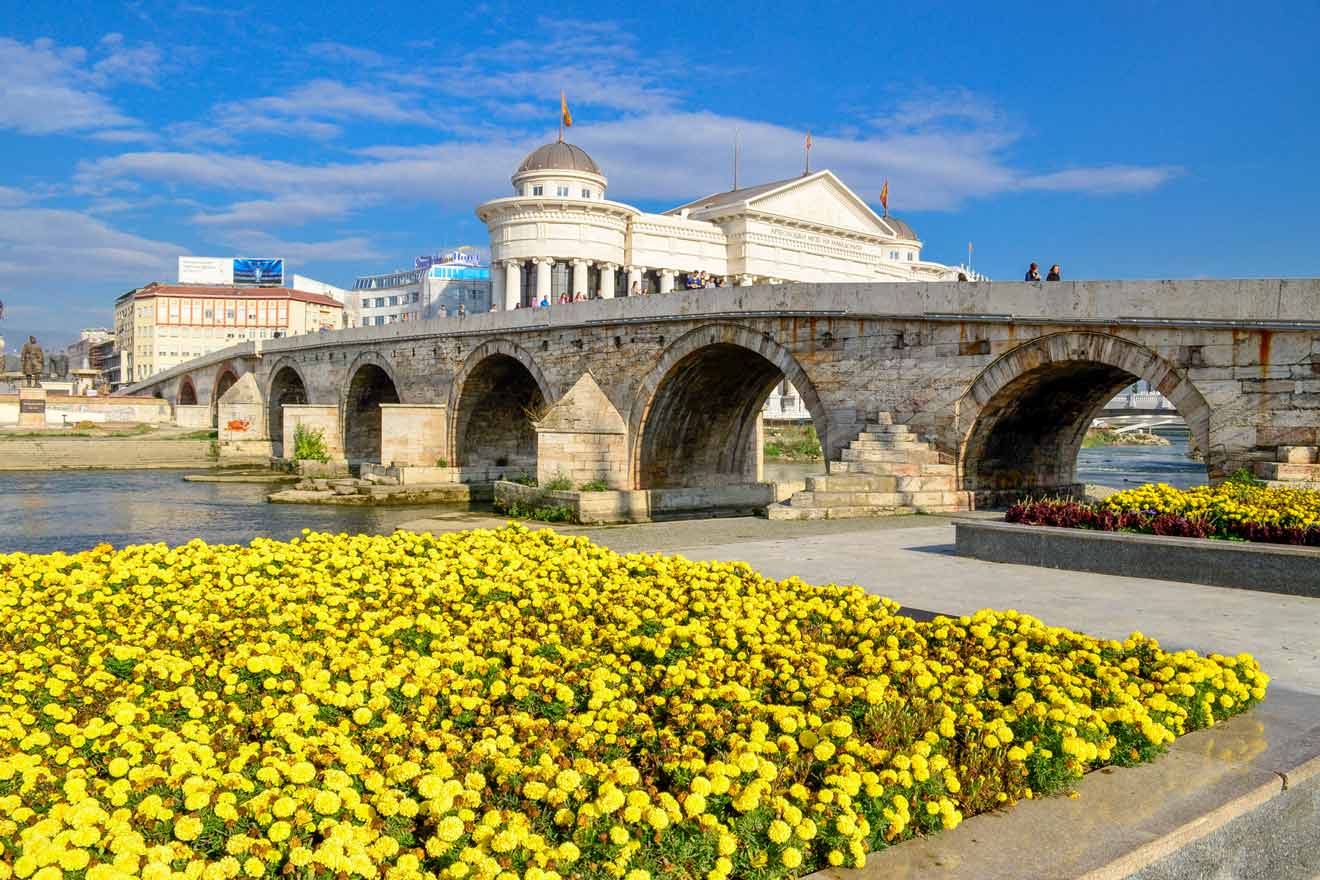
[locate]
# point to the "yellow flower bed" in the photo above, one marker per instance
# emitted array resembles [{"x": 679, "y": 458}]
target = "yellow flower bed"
[
  {"x": 504, "y": 704},
  {"x": 1225, "y": 507}
]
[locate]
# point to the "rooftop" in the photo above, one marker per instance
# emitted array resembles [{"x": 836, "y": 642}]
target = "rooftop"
[
  {"x": 233, "y": 291},
  {"x": 559, "y": 156}
]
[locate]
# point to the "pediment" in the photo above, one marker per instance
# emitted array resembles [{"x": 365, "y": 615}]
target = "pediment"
[
  {"x": 585, "y": 409},
  {"x": 822, "y": 199}
]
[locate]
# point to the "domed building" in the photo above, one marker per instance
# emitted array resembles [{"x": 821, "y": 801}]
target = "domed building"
[{"x": 559, "y": 234}]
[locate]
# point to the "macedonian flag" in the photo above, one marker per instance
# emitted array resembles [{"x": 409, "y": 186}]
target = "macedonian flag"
[
  {"x": 884, "y": 196},
  {"x": 563, "y": 111}
]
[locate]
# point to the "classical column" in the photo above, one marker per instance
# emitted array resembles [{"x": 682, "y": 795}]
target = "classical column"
[
  {"x": 512, "y": 284},
  {"x": 746, "y": 280},
  {"x": 580, "y": 270},
  {"x": 634, "y": 280},
  {"x": 667, "y": 280},
  {"x": 543, "y": 265},
  {"x": 607, "y": 271},
  {"x": 497, "y": 284}
]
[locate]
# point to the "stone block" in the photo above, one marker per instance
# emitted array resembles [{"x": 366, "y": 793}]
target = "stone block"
[
  {"x": 1299, "y": 454},
  {"x": 1275, "y": 470}
]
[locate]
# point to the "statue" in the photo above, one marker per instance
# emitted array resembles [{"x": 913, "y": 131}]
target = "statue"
[{"x": 33, "y": 361}]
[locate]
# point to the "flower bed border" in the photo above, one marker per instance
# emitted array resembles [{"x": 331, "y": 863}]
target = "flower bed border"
[{"x": 1271, "y": 568}]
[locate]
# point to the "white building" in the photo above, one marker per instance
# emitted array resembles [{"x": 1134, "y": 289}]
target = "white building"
[
  {"x": 435, "y": 290},
  {"x": 558, "y": 235},
  {"x": 347, "y": 299}
]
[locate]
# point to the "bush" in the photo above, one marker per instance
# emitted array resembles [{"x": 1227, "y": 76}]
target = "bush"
[
  {"x": 560, "y": 482},
  {"x": 595, "y": 486},
  {"x": 513, "y": 698},
  {"x": 523, "y": 479},
  {"x": 442, "y": 462},
  {"x": 536, "y": 510},
  {"x": 309, "y": 444}
]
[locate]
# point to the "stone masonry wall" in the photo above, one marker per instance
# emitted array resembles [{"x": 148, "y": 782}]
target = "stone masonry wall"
[{"x": 1247, "y": 370}]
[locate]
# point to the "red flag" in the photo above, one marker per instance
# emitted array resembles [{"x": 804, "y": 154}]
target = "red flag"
[{"x": 884, "y": 196}]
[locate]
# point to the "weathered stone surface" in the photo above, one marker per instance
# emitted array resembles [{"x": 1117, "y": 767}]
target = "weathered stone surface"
[{"x": 686, "y": 374}]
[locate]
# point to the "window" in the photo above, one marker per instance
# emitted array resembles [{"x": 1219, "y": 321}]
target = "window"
[
  {"x": 380, "y": 302},
  {"x": 562, "y": 190},
  {"x": 538, "y": 190},
  {"x": 586, "y": 193},
  {"x": 893, "y": 255},
  {"x": 910, "y": 255},
  {"x": 394, "y": 300}
]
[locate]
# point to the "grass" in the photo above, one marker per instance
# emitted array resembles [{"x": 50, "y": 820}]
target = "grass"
[{"x": 792, "y": 442}]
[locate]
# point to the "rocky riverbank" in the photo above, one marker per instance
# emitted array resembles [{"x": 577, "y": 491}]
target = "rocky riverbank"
[{"x": 373, "y": 491}]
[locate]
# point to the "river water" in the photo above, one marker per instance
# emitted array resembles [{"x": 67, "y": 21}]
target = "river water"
[{"x": 45, "y": 511}]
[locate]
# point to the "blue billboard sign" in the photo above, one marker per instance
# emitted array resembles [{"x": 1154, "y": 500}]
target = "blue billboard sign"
[
  {"x": 460, "y": 273},
  {"x": 261, "y": 273}
]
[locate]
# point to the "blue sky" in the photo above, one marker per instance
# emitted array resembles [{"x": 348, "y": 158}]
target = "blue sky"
[{"x": 1122, "y": 140}]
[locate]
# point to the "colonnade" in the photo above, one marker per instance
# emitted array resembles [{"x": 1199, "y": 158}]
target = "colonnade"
[{"x": 507, "y": 277}]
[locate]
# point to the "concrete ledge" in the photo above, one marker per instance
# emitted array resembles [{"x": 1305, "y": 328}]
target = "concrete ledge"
[
  {"x": 640, "y": 505},
  {"x": 1272, "y": 568},
  {"x": 1241, "y": 799}
]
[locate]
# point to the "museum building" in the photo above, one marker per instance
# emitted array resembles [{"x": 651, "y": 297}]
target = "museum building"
[{"x": 559, "y": 235}]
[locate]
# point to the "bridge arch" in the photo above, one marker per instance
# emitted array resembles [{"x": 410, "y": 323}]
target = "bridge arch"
[
  {"x": 187, "y": 392},
  {"x": 286, "y": 388},
  {"x": 369, "y": 382},
  {"x": 1029, "y": 410},
  {"x": 693, "y": 421},
  {"x": 495, "y": 398},
  {"x": 225, "y": 378}
]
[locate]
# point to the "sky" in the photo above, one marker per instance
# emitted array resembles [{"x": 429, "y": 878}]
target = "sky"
[{"x": 1121, "y": 140}]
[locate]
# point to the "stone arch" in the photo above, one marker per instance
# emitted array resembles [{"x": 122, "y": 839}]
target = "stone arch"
[
  {"x": 225, "y": 378},
  {"x": 187, "y": 395},
  {"x": 286, "y": 388},
  {"x": 1029, "y": 410},
  {"x": 369, "y": 382},
  {"x": 492, "y": 401},
  {"x": 693, "y": 421}
]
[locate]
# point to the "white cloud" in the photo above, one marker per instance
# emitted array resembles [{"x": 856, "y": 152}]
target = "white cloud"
[
  {"x": 1104, "y": 179},
  {"x": 285, "y": 210},
  {"x": 331, "y": 51},
  {"x": 45, "y": 89},
  {"x": 340, "y": 250},
  {"x": 41, "y": 244},
  {"x": 9, "y": 196}
]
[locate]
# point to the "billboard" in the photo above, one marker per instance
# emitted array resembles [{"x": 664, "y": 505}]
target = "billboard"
[
  {"x": 464, "y": 256},
  {"x": 206, "y": 270},
  {"x": 462, "y": 273},
  {"x": 262, "y": 273}
]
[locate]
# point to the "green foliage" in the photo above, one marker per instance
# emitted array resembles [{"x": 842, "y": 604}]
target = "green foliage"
[
  {"x": 1243, "y": 477},
  {"x": 523, "y": 479},
  {"x": 595, "y": 486},
  {"x": 793, "y": 442},
  {"x": 560, "y": 482},
  {"x": 535, "y": 510},
  {"x": 309, "y": 444},
  {"x": 442, "y": 462}
]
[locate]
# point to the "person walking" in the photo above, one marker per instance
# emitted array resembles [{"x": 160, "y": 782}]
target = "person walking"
[
  {"x": 636, "y": 289},
  {"x": 1054, "y": 274},
  {"x": 1033, "y": 273}
]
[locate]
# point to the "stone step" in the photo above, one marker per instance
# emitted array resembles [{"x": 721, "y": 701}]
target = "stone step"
[
  {"x": 937, "y": 483},
  {"x": 852, "y": 483},
  {"x": 1277, "y": 470},
  {"x": 917, "y": 455},
  {"x": 883, "y": 418},
  {"x": 933, "y": 469},
  {"x": 879, "y": 445},
  {"x": 882, "y": 468},
  {"x": 886, "y": 428}
]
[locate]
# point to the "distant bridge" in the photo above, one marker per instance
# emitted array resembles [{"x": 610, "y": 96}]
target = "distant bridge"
[{"x": 665, "y": 391}]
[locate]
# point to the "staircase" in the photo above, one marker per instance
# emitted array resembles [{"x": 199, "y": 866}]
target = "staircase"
[
  {"x": 886, "y": 471},
  {"x": 1297, "y": 467}
]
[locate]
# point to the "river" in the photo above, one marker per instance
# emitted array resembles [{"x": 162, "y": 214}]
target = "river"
[{"x": 45, "y": 511}]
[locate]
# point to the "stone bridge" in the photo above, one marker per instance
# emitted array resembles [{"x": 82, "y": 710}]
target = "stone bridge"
[{"x": 998, "y": 380}]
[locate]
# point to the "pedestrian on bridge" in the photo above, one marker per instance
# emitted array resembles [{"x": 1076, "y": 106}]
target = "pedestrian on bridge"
[
  {"x": 1033, "y": 273},
  {"x": 1054, "y": 273}
]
